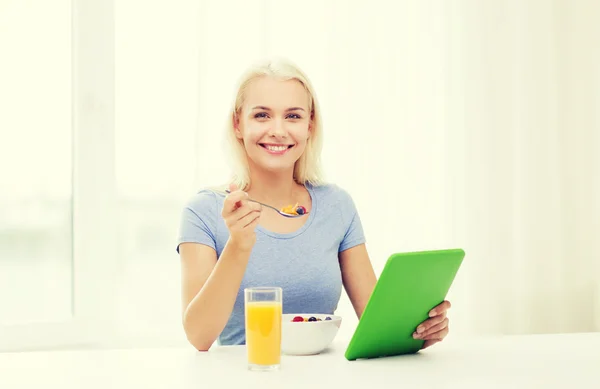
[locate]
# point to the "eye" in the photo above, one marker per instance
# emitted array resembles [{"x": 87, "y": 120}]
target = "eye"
[
  {"x": 294, "y": 116},
  {"x": 261, "y": 115}
]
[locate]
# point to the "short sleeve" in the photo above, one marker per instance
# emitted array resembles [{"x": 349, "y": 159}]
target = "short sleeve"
[
  {"x": 354, "y": 235},
  {"x": 198, "y": 221}
]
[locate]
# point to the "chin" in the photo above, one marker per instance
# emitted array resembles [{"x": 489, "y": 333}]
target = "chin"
[
  {"x": 272, "y": 165},
  {"x": 275, "y": 167}
]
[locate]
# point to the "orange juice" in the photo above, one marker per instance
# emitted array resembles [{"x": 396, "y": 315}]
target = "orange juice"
[{"x": 263, "y": 332}]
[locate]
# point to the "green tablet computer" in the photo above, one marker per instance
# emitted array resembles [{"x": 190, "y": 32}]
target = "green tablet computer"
[{"x": 410, "y": 285}]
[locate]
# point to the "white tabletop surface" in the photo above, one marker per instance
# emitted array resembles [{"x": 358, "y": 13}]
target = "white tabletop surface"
[{"x": 539, "y": 361}]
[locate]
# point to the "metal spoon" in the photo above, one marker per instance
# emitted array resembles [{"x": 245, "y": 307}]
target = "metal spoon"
[{"x": 292, "y": 216}]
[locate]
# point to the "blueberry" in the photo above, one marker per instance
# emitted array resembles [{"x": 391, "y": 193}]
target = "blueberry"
[
  {"x": 312, "y": 318},
  {"x": 327, "y": 318}
]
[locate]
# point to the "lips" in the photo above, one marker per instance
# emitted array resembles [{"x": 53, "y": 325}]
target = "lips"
[{"x": 275, "y": 148}]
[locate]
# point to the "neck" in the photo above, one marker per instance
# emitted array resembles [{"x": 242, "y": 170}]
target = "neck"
[{"x": 275, "y": 188}]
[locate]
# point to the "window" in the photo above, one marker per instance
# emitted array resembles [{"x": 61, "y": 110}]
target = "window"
[
  {"x": 57, "y": 235},
  {"x": 173, "y": 87},
  {"x": 36, "y": 158},
  {"x": 156, "y": 124}
]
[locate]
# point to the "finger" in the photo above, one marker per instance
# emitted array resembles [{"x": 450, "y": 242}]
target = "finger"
[
  {"x": 429, "y": 343},
  {"x": 234, "y": 201},
  {"x": 255, "y": 206},
  {"x": 443, "y": 307},
  {"x": 233, "y": 197},
  {"x": 253, "y": 223},
  {"x": 433, "y": 329},
  {"x": 440, "y": 335},
  {"x": 427, "y": 324},
  {"x": 247, "y": 219},
  {"x": 232, "y": 187},
  {"x": 245, "y": 209},
  {"x": 236, "y": 217},
  {"x": 238, "y": 214}
]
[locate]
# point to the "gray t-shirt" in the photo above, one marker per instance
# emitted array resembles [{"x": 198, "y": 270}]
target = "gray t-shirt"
[{"x": 303, "y": 263}]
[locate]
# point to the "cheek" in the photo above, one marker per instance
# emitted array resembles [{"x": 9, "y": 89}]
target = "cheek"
[
  {"x": 253, "y": 132},
  {"x": 301, "y": 134},
  {"x": 256, "y": 130}
]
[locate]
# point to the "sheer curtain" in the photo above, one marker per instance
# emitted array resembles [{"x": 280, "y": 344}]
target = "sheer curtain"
[
  {"x": 523, "y": 99},
  {"x": 467, "y": 124},
  {"x": 462, "y": 123}
]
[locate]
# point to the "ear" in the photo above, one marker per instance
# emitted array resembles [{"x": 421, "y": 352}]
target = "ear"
[
  {"x": 236, "y": 126},
  {"x": 311, "y": 123}
]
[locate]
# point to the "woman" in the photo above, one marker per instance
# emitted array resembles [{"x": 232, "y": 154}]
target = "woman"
[{"x": 228, "y": 243}]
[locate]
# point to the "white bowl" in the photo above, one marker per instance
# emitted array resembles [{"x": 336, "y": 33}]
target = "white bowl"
[{"x": 308, "y": 337}]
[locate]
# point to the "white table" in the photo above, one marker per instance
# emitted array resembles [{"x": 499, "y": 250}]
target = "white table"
[{"x": 541, "y": 361}]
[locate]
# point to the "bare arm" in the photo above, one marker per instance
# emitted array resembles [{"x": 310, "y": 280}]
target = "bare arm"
[
  {"x": 358, "y": 276},
  {"x": 209, "y": 289}
]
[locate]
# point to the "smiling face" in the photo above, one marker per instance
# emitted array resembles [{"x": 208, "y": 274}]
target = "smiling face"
[{"x": 274, "y": 123}]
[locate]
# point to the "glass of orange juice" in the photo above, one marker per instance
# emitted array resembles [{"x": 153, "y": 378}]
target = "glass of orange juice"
[{"x": 263, "y": 309}]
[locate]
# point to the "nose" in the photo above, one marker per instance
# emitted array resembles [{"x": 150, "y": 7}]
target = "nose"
[{"x": 277, "y": 129}]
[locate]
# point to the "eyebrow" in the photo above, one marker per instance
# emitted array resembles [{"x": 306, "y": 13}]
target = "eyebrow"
[{"x": 268, "y": 109}]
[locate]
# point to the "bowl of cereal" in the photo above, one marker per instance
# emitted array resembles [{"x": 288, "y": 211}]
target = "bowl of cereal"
[{"x": 308, "y": 333}]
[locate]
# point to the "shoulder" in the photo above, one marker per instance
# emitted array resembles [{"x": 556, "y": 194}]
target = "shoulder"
[
  {"x": 333, "y": 195},
  {"x": 339, "y": 214},
  {"x": 199, "y": 220},
  {"x": 205, "y": 203},
  {"x": 335, "y": 204}
]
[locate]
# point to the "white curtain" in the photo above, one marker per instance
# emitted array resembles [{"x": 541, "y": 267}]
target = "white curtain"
[
  {"x": 464, "y": 123},
  {"x": 459, "y": 123},
  {"x": 525, "y": 131}
]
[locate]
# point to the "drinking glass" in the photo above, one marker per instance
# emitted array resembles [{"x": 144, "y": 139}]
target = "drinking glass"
[{"x": 263, "y": 309}]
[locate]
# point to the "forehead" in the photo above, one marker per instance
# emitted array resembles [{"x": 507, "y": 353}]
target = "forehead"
[{"x": 276, "y": 94}]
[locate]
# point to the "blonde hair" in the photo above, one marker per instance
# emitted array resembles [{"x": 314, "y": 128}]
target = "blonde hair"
[{"x": 307, "y": 169}]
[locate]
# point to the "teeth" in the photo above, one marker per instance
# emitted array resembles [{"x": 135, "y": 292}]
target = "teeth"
[{"x": 276, "y": 148}]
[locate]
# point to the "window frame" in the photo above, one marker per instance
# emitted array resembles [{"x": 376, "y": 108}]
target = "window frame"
[{"x": 94, "y": 206}]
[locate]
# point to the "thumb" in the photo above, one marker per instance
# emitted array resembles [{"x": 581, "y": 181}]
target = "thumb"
[{"x": 232, "y": 188}]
